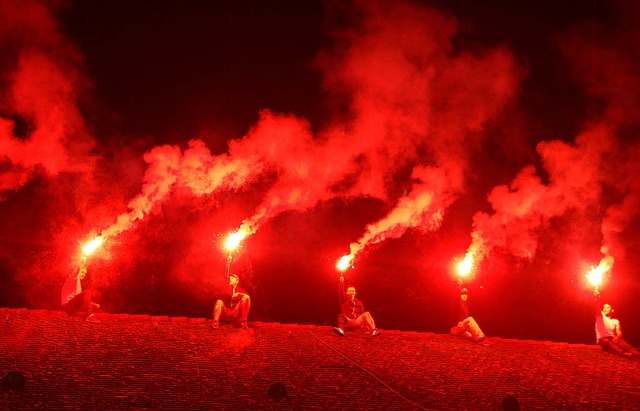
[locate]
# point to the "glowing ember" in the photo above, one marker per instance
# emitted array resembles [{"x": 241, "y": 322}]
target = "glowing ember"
[
  {"x": 92, "y": 245},
  {"x": 344, "y": 262},
  {"x": 595, "y": 275},
  {"x": 465, "y": 266},
  {"x": 234, "y": 240}
]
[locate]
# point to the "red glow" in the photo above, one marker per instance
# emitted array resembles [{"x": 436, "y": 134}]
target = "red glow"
[{"x": 425, "y": 137}]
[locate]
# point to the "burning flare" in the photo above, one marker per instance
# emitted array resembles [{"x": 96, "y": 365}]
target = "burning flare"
[
  {"x": 92, "y": 245},
  {"x": 464, "y": 267},
  {"x": 344, "y": 262},
  {"x": 595, "y": 275},
  {"x": 234, "y": 240}
]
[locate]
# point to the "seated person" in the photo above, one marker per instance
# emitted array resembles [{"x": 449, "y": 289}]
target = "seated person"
[
  {"x": 76, "y": 295},
  {"x": 238, "y": 309},
  {"x": 466, "y": 326},
  {"x": 608, "y": 332},
  {"x": 352, "y": 313}
]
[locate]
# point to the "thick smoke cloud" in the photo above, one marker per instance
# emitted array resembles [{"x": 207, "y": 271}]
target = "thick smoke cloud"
[
  {"x": 42, "y": 130},
  {"x": 524, "y": 207},
  {"x": 606, "y": 63},
  {"x": 418, "y": 122},
  {"x": 47, "y": 155},
  {"x": 417, "y": 102},
  {"x": 412, "y": 102},
  {"x": 596, "y": 173}
]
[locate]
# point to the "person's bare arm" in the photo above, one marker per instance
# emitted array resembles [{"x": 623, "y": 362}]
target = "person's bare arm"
[
  {"x": 618, "y": 334},
  {"x": 597, "y": 305}
]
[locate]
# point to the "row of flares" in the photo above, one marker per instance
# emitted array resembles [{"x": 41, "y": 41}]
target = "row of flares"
[{"x": 464, "y": 268}]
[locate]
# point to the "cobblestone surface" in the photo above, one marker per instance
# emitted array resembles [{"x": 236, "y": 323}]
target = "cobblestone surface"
[{"x": 164, "y": 363}]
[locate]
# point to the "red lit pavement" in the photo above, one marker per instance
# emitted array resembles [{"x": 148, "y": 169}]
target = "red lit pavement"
[{"x": 146, "y": 362}]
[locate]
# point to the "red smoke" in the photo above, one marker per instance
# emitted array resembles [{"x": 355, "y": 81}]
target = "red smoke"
[
  {"x": 607, "y": 64},
  {"x": 524, "y": 207},
  {"x": 413, "y": 102},
  {"x": 46, "y": 148},
  {"x": 44, "y": 85},
  {"x": 416, "y": 102},
  {"x": 597, "y": 174},
  {"x": 412, "y": 118}
]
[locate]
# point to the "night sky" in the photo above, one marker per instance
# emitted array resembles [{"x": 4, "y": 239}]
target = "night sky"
[{"x": 406, "y": 134}]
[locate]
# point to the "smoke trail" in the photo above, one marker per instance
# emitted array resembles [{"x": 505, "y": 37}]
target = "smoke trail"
[
  {"x": 424, "y": 103},
  {"x": 423, "y": 207},
  {"x": 261, "y": 151}
]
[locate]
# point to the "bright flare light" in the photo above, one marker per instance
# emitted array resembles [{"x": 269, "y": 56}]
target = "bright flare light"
[
  {"x": 465, "y": 266},
  {"x": 595, "y": 275},
  {"x": 344, "y": 262},
  {"x": 234, "y": 240},
  {"x": 92, "y": 245}
]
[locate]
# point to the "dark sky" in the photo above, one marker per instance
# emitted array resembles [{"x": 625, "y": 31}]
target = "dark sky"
[{"x": 404, "y": 133}]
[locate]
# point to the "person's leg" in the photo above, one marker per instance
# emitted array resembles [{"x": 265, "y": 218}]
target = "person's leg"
[
  {"x": 355, "y": 323},
  {"x": 217, "y": 311},
  {"x": 342, "y": 323},
  {"x": 87, "y": 306},
  {"x": 457, "y": 330},
  {"x": 364, "y": 320},
  {"x": 368, "y": 319},
  {"x": 609, "y": 346},
  {"x": 86, "y": 301},
  {"x": 243, "y": 308},
  {"x": 474, "y": 329},
  {"x": 237, "y": 315},
  {"x": 241, "y": 311},
  {"x": 461, "y": 330},
  {"x": 626, "y": 347},
  {"x": 74, "y": 307},
  {"x": 87, "y": 293}
]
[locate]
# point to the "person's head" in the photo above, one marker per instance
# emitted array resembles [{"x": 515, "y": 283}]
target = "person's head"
[
  {"x": 464, "y": 294},
  {"x": 607, "y": 309},
  {"x": 233, "y": 280},
  {"x": 351, "y": 292}
]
